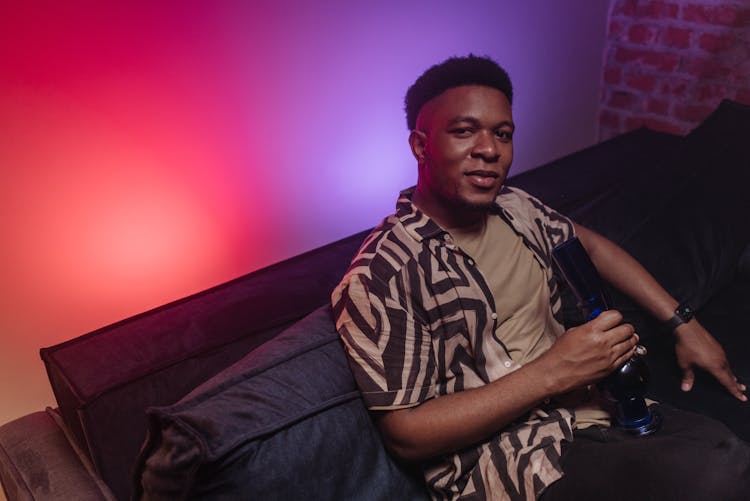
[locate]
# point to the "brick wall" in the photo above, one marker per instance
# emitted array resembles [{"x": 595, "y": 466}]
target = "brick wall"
[{"x": 669, "y": 63}]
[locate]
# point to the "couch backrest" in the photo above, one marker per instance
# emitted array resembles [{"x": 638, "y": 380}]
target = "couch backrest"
[
  {"x": 686, "y": 218},
  {"x": 104, "y": 381}
]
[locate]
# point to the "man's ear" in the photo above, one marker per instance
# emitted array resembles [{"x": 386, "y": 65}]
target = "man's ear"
[{"x": 417, "y": 142}]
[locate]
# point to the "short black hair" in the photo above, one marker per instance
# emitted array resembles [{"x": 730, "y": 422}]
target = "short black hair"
[{"x": 454, "y": 72}]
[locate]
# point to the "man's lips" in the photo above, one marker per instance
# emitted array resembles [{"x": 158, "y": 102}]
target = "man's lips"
[{"x": 482, "y": 178}]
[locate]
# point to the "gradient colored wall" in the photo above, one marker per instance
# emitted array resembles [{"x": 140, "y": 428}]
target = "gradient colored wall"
[{"x": 149, "y": 150}]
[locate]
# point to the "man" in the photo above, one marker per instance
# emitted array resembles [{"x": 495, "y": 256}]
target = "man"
[{"x": 451, "y": 318}]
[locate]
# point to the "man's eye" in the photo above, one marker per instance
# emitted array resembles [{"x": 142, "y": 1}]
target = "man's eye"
[
  {"x": 504, "y": 135},
  {"x": 461, "y": 131}
]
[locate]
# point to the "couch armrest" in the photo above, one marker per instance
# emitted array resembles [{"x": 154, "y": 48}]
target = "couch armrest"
[{"x": 38, "y": 462}]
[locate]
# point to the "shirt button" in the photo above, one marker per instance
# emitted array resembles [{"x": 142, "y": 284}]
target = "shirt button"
[
  {"x": 494, "y": 316},
  {"x": 471, "y": 262},
  {"x": 507, "y": 363}
]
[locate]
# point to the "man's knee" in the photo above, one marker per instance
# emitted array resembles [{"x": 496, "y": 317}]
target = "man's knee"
[
  {"x": 727, "y": 469},
  {"x": 705, "y": 460},
  {"x": 692, "y": 458}
]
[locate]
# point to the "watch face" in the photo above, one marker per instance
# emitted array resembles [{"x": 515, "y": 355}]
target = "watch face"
[{"x": 685, "y": 312}]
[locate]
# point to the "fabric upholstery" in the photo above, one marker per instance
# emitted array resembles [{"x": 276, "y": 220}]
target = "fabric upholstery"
[
  {"x": 693, "y": 239},
  {"x": 285, "y": 422},
  {"x": 38, "y": 463},
  {"x": 743, "y": 267},
  {"x": 576, "y": 184}
]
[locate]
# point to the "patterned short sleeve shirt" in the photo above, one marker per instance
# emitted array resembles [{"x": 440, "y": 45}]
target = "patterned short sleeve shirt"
[{"x": 417, "y": 319}]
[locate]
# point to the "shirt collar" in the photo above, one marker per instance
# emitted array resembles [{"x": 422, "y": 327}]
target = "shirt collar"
[{"x": 418, "y": 224}]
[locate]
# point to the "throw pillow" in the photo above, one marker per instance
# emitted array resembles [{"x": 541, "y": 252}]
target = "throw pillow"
[{"x": 285, "y": 422}]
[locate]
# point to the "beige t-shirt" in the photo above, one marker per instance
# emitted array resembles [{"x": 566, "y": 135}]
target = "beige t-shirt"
[{"x": 519, "y": 286}]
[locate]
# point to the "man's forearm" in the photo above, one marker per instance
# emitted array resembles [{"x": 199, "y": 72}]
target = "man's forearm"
[
  {"x": 452, "y": 422},
  {"x": 626, "y": 274}
]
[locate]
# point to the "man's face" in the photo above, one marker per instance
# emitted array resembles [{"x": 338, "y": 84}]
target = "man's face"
[{"x": 464, "y": 145}]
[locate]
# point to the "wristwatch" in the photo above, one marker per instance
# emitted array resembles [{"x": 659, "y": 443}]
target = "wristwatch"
[{"x": 682, "y": 315}]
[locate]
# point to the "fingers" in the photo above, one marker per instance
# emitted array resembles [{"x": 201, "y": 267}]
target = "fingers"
[
  {"x": 725, "y": 376},
  {"x": 607, "y": 320},
  {"x": 625, "y": 356},
  {"x": 688, "y": 378},
  {"x": 625, "y": 349},
  {"x": 742, "y": 388},
  {"x": 609, "y": 323},
  {"x": 623, "y": 333},
  {"x": 620, "y": 338}
]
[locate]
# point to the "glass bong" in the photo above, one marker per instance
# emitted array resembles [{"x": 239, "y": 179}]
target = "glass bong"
[{"x": 626, "y": 386}]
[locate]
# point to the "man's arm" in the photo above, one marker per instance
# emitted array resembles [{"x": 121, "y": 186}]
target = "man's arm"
[
  {"x": 581, "y": 356},
  {"x": 695, "y": 347}
]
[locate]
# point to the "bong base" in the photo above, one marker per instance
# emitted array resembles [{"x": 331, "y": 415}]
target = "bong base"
[{"x": 644, "y": 427}]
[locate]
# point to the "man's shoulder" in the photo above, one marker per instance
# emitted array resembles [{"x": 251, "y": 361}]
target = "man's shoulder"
[
  {"x": 385, "y": 251},
  {"x": 511, "y": 195},
  {"x": 521, "y": 203}
]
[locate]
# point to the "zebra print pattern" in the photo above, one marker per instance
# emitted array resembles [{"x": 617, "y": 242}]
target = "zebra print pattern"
[{"x": 417, "y": 319}]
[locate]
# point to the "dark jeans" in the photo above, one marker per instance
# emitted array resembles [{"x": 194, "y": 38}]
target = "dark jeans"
[{"x": 691, "y": 457}]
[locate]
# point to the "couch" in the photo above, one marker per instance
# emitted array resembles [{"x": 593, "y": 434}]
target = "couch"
[{"x": 243, "y": 391}]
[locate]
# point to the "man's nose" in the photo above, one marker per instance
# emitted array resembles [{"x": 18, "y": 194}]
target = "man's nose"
[{"x": 486, "y": 147}]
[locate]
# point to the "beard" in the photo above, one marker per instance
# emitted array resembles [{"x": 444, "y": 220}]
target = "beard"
[
  {"x": 479, "y": 207},
  {"x": 464, "y": 204}
]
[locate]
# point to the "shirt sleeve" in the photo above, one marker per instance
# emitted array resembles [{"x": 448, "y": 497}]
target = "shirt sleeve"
[
  {"x": 390, "y": 351},
  {"x": 551, "y": 227}
]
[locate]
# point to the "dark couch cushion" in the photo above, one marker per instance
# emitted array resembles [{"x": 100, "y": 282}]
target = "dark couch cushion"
[
  {"x": 577, "y": 183},
  {"x": 684, "y": 219},
  {"x": 743, "y": 267},
  {"x": 285, "y": 422},
  {"x": 695, "y": 237}
]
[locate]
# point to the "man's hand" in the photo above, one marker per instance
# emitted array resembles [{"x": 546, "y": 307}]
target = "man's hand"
[
  {"x": 695, "y": 347},
  {"x": 589, "y": 352}
]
